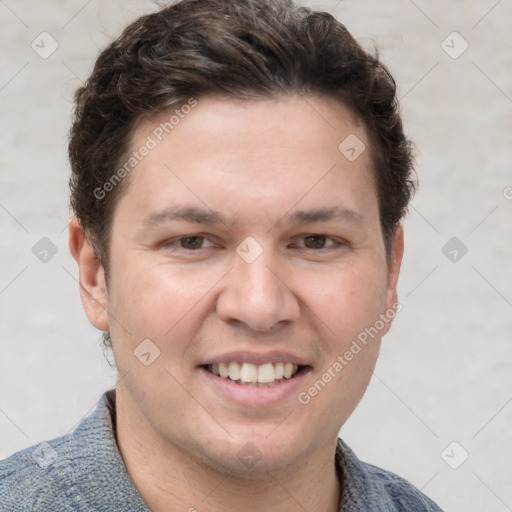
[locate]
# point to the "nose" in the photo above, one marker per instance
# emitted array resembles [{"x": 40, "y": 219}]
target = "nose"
[{"x": 256, "y": 294}]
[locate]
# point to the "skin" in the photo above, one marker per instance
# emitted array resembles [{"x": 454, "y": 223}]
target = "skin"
[{"x": 255, "y": 162}]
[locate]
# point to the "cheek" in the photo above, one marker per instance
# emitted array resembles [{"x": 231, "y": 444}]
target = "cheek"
[
  {"x": 346, "y": 305},
  {"x": 156, "y": 303},
  {"x": 348, "y": 300},
  {"x": 156, "y": 300}
]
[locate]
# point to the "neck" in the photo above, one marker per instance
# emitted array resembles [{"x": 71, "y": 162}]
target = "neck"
[{"x": 168, "y": 478}]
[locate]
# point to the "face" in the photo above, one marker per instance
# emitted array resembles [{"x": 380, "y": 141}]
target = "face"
[{"x": 247, "y": 252}]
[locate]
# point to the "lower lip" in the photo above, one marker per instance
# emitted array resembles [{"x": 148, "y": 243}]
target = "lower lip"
[{"x": 253, "y": 396}]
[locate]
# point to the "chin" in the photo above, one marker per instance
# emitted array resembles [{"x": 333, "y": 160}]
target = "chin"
[
  {"x": 249, "y": 462},
  {"x": 253, "y": 453}
]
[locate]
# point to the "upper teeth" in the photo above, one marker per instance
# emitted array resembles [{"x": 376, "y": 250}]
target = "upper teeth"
[{"x": 252, "y": 373}]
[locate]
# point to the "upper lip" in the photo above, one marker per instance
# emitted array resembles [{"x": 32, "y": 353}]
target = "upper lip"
[{"x": 257, "y": 358}]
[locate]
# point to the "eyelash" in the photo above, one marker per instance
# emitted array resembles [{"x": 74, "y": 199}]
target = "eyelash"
[{"x": 336, "y": 243}]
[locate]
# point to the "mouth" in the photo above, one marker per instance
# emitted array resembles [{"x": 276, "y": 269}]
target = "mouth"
[
  {"x": 260, "y": 381},
  {"x": 255, "y": 375}
]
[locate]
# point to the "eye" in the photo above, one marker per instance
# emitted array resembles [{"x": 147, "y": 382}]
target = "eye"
[
  {"x": 318, "y": 242},
  {"x": 190, "y": 243}
]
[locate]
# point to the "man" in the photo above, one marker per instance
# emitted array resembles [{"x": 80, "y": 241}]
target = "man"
[{"x": 239, "y": 177}]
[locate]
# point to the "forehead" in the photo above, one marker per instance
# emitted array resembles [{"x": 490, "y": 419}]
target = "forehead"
[{"x": 224, "y": 153}]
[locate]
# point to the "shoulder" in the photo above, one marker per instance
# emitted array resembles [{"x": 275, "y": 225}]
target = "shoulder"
[
  {"x": 81, "y": 471},
  {"x": 39, "y": 478},
  {"x": 399, "y": 492},
  {"x": 367, "y": 487}
]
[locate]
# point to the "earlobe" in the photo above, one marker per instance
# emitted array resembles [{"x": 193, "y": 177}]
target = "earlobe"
[{"x": 93, "y": 290}]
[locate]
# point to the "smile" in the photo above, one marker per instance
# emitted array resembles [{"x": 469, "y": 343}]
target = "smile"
[{"x": 250, "y": 374}]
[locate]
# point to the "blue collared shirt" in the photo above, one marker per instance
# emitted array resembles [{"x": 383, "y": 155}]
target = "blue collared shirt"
[{"x": 84, "y": 471}]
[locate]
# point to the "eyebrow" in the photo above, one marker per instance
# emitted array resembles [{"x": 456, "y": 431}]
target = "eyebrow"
[
  {"x": 211, "y": 217},
  {"x": 324, "y": 214},
  {"x": 187, "y": 213}
]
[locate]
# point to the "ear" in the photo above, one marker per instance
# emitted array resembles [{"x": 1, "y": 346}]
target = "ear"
[
  {"x": 395, "y": 261},
  {"x": 93, "y": 289}
]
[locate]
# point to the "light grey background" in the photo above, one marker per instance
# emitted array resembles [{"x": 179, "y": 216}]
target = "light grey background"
[{"x": 444, "y": 371}]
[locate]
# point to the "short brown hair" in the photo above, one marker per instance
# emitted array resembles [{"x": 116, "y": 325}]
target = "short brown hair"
[{"x": 239, "y": 49}]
